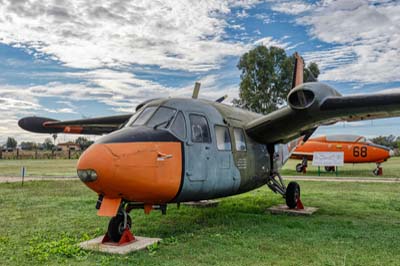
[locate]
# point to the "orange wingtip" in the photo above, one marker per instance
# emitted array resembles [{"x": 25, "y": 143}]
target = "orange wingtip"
[{"x": 109, "y": 207}]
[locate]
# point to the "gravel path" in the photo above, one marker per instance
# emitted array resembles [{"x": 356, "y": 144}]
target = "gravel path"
[
  {"x": 344, "y": 179},
  {"x": 8, "y": 179}
]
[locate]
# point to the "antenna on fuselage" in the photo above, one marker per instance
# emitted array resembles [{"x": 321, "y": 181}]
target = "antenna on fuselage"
[
  {"x": 220, "y": 100},
  {"x": 196, "y": 90}
]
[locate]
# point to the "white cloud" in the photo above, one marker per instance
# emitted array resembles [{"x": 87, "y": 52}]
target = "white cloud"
[
  {"x": 186, "y": 35},
  {"x": 269, "y": 41},
  {"x": 264, "y": 18},
  {"x": 366, "y": 36},
  {"x": 120, "y": 91},
  {"x": 291, "y": 7}
]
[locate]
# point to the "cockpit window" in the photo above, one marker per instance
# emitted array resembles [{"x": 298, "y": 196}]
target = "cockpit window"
[
  {"x": 162, "y": 118},
  {"x": 143, "y": 116},
  {"x": 133, "y": 118},
  {"x": 179, "y": 126},
  {"x": 200, "y": 130}
]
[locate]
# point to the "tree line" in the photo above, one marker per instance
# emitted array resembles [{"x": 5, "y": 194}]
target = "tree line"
[{"x": 47, "y": 144}]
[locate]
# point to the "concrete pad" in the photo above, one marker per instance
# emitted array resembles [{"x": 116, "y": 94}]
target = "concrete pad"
[
  {"x": 140, "y": 244},
  {"x": 279, "y": 209},
  {"x": 202, "y": 203}
]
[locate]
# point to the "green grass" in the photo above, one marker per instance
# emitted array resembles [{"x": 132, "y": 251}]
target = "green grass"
[
  {"x": 58, "y": 167},
  {"x": 390, "y": 169},
  {"x": 357, "y": 224}
]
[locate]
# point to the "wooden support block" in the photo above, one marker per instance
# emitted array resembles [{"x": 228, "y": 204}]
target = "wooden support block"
[{"x": 279, "y": 209}]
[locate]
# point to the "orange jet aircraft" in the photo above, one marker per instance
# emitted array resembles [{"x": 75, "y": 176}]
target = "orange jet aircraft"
[{"x": 356, "y": 149}]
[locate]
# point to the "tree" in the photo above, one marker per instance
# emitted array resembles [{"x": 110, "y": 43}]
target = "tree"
[
  {"x": 11, "y": 143},
  {"x": 28, "y": 145},
  {"x": 266, "y": 78},
  {"x": 83, "y": 142},
  {"x": 388, "y": 141},
  {"x": 48, "y": 144}
]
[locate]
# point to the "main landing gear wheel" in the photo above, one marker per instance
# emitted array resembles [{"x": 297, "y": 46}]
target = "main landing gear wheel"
[
  {"x": 299, "y": 168},
  {"x": 292, "y": 195},
  {"x": 116, "y": 226},
  {"x": 376, "y": 171}
]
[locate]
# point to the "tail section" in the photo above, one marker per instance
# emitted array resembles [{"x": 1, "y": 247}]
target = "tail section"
[{"x": 298, "y": 70}]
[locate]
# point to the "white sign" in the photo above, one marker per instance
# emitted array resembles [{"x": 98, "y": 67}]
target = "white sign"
[{"x": 328, "y": 159}]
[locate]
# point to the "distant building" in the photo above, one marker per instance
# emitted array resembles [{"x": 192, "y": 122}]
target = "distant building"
[
  {"x": 4, "y": 148},
  {"x": 68, "y": 146}
]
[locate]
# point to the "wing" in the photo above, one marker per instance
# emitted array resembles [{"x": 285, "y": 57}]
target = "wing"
[
  {"x": 313, "y": 104},
  {"x": 91, "y": 126}
]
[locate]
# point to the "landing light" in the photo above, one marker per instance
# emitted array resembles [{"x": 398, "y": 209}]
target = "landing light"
[{"x": 88, "y": 175}]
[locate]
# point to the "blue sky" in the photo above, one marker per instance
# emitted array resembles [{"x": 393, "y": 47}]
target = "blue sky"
[{"x": 74, "y": 59}]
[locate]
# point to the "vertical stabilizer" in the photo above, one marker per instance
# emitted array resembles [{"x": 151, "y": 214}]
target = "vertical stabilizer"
[{"x": 298, "y": 70}]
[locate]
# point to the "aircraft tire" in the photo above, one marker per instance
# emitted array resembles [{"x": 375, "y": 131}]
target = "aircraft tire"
[
  {"x": 299, "y": 168},
  {"x": 116, "y": 227},
  {"x": 292, "y": 194},
  {"x": 375, "y": 172}
]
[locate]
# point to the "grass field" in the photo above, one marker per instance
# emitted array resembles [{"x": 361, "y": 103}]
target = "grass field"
[
  {"x": 68, "y": 168},
  {"x": 357, "y": 224},
  {"x": 59, "y": 167}
]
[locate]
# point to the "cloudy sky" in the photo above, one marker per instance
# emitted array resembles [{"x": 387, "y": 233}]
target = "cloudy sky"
[{"x": 81, "y": 58}]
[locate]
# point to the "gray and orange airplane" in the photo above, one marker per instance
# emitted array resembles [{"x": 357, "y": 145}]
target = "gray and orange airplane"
[
  {"x": 176, "y": 150},
  {"x": 356, "y": 149}
]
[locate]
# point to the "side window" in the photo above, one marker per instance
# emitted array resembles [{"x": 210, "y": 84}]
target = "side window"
[
  {"x": 179, "y": 126},
  {"x": 240, "y": 140},
  {"x": 199, "y": 128},
  {"x": 223, "y": 138}
]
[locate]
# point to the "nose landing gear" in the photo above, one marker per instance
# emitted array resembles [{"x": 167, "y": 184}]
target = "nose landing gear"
[{"x": 119, "y": 232}]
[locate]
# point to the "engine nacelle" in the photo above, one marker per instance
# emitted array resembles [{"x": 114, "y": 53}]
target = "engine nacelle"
[{"x": 310, "y": 95}]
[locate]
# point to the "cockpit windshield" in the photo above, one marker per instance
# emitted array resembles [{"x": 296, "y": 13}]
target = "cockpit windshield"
[
  {"x": 362, "y": 139},
  {"x": 162, "y": 118},
  {"x": 141, "y": 117}
]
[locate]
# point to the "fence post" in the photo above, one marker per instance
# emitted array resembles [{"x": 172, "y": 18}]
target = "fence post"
[{"x": 23, "y": 175}]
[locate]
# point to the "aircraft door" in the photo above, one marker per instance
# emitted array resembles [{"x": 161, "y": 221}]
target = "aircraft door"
[
  {"x": 198, "y": 149},
  {"x": 226, "y": 177}
]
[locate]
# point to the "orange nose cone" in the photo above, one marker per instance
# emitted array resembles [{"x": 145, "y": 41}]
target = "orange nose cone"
[
  {"x": 149, "y": 172},
  {"x": 99, "y": 159}
]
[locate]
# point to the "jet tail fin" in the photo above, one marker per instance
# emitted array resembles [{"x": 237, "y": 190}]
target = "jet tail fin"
[{"x": 298, "y": 70}]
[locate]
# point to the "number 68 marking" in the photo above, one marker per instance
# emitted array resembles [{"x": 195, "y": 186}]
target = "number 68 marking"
[{"x": 357, "y": 151}]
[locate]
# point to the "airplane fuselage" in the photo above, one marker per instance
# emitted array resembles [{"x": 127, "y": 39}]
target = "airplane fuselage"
[
  {"x": 358, "y": 151},
  {"x": 178, "y": 150}
]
